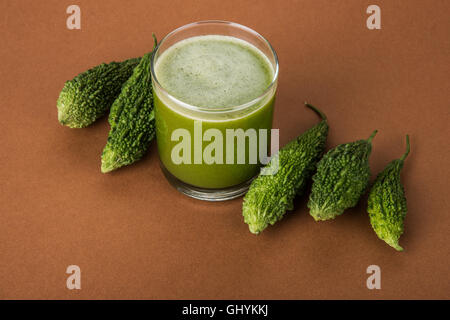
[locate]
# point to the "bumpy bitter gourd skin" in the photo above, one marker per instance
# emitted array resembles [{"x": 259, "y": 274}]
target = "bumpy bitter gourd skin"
[
  {"x": 90, "y": 94},
  {"x": 342, "y": 177},
  {"x": 269, "y": 196},
  {"x": 132, "y": 120},
  {"x": 387, "y": 202}
]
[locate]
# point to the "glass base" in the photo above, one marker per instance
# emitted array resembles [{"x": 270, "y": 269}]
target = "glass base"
[{"x": 206, "y": 194}]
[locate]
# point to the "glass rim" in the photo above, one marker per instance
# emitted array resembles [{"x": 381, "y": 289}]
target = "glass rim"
[{"x": 224, "y": 109}]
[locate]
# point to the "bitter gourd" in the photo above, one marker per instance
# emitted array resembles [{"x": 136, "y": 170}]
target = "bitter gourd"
[
  {"x": 342, "y": 177},
  {"x": 269, "y": 196},
  {"x": 387, "y": 202},
  {"x": 90, "y": 94},
  {"x": 132, "y": 120}
]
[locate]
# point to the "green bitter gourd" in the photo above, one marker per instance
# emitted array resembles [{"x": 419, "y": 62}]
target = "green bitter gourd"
[
  {"x": 387, "y": 202},
  {"x": 342, "y": 177},
  {"x": 90, "y": 94},
  {"x": 132, "y": 120},
  {"x": 269, "y": 196}
]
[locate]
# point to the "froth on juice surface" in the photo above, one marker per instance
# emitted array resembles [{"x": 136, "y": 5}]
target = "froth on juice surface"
[{"x": 214, "y": 71}]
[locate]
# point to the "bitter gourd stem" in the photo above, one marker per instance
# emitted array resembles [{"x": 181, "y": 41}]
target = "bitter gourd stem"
[
  {"x": 407, "y": 149},
  {"x": 155, "y": 41},
  {"x": 320, "y": 113},
  {"x": 372, "y": 136}
]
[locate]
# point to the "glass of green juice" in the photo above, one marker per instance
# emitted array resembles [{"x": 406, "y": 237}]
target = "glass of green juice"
[{"x": 214, "y": 85}]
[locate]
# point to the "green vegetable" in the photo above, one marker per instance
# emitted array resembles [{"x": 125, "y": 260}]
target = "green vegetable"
[
  {"x": 90, "y": 94},
  {"x": 342, "y": 177},
  {"x": 269, "y": 196},
  {"x": 387, "y": 202},
  {"x": 132, "y": 120}
]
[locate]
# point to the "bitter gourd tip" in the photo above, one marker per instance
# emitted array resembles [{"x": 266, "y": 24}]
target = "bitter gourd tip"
[
  {"x": 253, "y": 216},
  {"x": 320, "y": 113},
  {"x": 407, "y": 149},
  {"x": 256, "y": 229},
  {"x": 396, "y": 247},
  {"x": 321, "y": 215},
  {"x": 62, "y": 117},
  {"x": 390, "y": 239},
  {"x": 110, "y": 161}
]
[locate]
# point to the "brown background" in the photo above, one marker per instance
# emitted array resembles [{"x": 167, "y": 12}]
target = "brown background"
[{"x": 134, "y": 236}]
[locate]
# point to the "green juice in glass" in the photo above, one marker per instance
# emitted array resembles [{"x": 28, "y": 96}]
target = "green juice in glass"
[{"x": 216, "y": 81}]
